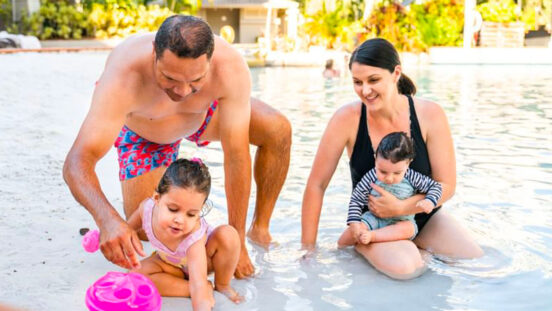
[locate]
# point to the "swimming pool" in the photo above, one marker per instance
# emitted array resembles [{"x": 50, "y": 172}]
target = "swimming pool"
[{"x": 501, "y": 120}]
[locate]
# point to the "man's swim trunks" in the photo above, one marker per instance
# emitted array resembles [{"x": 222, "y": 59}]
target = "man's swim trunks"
[
  {"x": 197, "y": 135},
  {"x": 138, "y": 156}
]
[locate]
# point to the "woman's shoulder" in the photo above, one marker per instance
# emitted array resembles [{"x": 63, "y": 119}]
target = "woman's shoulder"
[
  {"x": 427, "y": 109},
  {"x": 348, "y": 111},
  {"x": 431, "y": 116}
]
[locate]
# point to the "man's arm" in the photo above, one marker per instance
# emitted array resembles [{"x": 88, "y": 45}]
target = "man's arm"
[
  {"x": 234, "y": 119},
  {"x": 98, "y": 132}
]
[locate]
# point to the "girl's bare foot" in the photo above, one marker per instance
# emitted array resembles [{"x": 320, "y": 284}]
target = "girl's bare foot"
[{"x": 230, "y": 293}]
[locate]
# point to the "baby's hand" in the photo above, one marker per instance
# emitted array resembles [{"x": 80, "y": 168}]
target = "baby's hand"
[
  {"x": 357, "y": 230},
  {"x": 426, "y": 205},
  {"x": 365, "y": 237}
]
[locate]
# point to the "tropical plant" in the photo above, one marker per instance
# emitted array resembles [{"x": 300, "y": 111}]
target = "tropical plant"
[
  {"x": 536, "y": 14},
  {"x": 55, "y": 20},
  {"x": 331, "y": 29},
  {"x": 121, "y": 22},
  {"x": 5, "y": 14},
  {"x": 500, "y": 11},
  {"x": 391, "y": 21},
  {"x": 440, "y": 22}
]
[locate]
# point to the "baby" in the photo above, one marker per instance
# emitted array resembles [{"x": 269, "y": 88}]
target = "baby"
[{"x": 391, "y": 172}]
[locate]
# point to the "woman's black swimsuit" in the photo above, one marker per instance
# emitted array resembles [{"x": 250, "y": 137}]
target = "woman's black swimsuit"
[{"x": 362, "y": 159}]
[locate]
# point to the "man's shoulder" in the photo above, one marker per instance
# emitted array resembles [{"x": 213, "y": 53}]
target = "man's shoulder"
[
  {"x": 131, "y": 56},
  {"x": 126, "y": 66},
  {"x": 229, "y": 66}
]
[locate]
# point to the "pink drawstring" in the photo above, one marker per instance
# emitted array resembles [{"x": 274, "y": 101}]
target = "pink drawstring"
[{"x": 198, "y": 160}]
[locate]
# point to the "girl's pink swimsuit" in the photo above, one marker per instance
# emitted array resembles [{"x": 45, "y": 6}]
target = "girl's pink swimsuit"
[{"x": 178, "y": 257}]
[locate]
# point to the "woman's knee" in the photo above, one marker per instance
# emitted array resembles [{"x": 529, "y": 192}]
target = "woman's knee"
[
  {"x": 404, "y": 269},
  {"x": 397, "y": 264},
  {"x": 445, "y": 236}
]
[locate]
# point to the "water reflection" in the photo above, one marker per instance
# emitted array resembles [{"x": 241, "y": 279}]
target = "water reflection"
[{"x": 501, "y": 120}]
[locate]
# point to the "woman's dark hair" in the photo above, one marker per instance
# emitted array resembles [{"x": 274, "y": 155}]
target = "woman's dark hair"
[
  {"x": 381, "y": 53},
  {"x": 396, "y": 147},
  {"x": 186, "y": 173},
  {"x": 186, "y": 36}
]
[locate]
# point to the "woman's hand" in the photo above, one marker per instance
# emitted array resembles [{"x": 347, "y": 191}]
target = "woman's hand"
[{"x": 386, "y": 205}]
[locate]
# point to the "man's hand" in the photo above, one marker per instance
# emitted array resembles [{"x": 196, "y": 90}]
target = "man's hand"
[
  {"x": 245, "y": 267},
  {"x": 386, "y": 205},
  {"x": 119, "y": 244},
  {"x": 425, "y": 205}
]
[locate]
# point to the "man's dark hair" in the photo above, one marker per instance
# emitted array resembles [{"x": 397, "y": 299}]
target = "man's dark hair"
[
  {"x": 186, "y": 36},
  {"x": 396, "y": 147}
]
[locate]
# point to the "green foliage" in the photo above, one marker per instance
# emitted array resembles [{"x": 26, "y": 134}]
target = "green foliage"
[
  {"x": 391, "y": 21},
  {"x": 121, "y": 22},
  {"x": 190, "y": 6},
  {"x": 537, "y": 13},
  {"x": 440, "y": 22},
  {"x": 500, "y": 11},
  {"x": 55, "y": 20},
  {"x": 412, "y": 28},
  {"x": 329, "y": 28},
  {"x": 5, "y": 13},
  {"x": 129, "y": 4}
]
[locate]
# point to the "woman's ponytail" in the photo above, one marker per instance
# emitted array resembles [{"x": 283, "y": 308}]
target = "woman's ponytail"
[{"x": 406, "y": 86}]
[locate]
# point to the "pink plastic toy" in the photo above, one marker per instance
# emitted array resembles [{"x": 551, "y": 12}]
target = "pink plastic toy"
[
  {"x": 117, "y": 291},
  {"x": 91, "y": 241}
]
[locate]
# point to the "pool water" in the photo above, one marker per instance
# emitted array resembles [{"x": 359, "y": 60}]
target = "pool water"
[{"x": 501, "y": 121}]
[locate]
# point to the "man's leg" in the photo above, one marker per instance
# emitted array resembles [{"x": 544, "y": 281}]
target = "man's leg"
[
  {"x": 137, "y": 189},
  {"x": 270, "y": 131}
]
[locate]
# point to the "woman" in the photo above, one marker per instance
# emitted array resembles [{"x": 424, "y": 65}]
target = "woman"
[{"x": 387, "y": 106}]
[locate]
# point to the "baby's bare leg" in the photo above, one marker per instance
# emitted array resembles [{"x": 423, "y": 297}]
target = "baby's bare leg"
[
  {"x": 347, "y": 238},
  {"x": 402, "y": 230},
  {"x": 168, "y": 279},
  {"x": 223, "y": 252}
]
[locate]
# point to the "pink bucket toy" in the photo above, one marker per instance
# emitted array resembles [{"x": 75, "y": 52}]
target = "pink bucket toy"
[{"x": 117, "y": 291}]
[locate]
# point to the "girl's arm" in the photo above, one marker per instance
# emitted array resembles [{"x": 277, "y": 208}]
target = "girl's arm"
[
  {"x": 135, "y": 220},
  {"x": 200, "y": 289},
  {"x": 329, "y": 152}
]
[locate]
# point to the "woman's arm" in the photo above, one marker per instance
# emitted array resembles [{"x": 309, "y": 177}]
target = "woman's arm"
[
  {"x": 335, "y": 138},
  {"x": 200, "y": 290},
  {"x": 440, "y": 149}
]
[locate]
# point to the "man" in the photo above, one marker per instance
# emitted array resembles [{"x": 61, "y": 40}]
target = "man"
[{"x": 188, "y": 84}]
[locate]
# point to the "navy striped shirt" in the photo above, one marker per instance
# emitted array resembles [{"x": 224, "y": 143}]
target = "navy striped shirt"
[{"x": 421, "y": 183}]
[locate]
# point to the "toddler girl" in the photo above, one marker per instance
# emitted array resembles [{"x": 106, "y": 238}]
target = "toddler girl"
[{"x": 187, "y": 247}]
